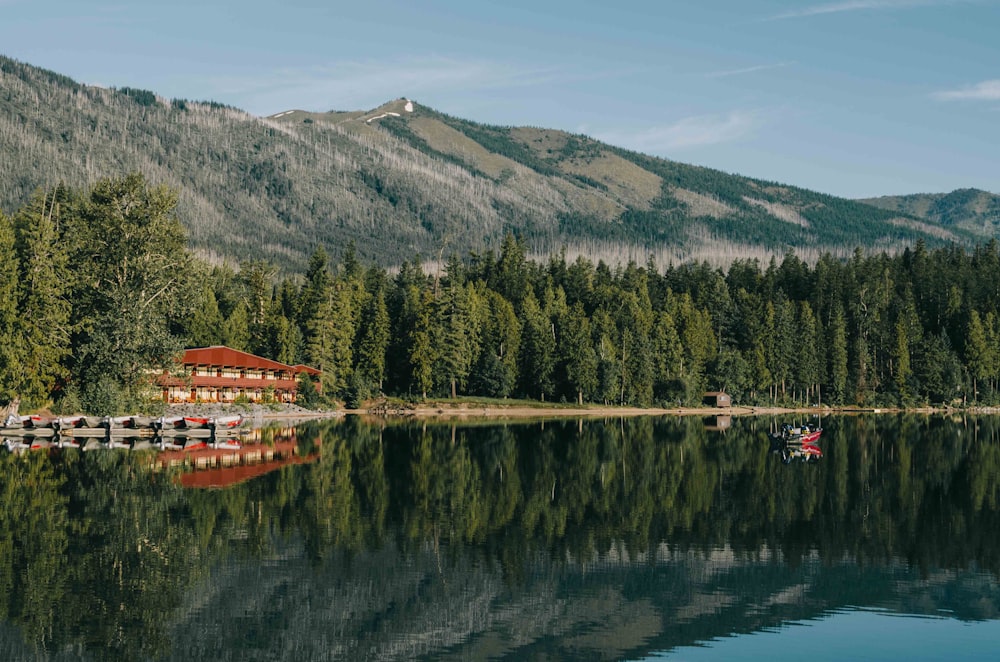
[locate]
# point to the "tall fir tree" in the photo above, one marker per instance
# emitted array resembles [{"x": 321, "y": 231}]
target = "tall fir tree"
[
  {"x": 579, "y": 356},
  {"x": 42, "y": 341}
]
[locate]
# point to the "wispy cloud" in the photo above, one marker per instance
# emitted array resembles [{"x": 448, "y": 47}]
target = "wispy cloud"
[
  {"x": 689, "y": 132},
  {"x": 988, "y": 90},
  {"x": 362, "y": 83},
  {"x": 747, "y": 70},
  {"x": 858, "y": 5}
]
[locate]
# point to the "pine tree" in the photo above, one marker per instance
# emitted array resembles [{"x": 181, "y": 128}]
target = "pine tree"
[
  {"x": 373, "y": 340},
  {"x": 807, "y": 357},
  {"x": 42, "y": 338},
  {"x": 235, "y": 329},
  {"x": 980, "y": 356},
  {"x": 455, "y": 337},
  {"x": 838, "y": 355},
  {"x": 421, "y": 354},
  {"x": 578, "y": 353},
  {"x": 538, "y": 350},
  {"x": 204, "y": 326},
  {"x": 255, "y": 279},
  {"x": 902, "y": 372},
  {"x": 9, "y": 319}
]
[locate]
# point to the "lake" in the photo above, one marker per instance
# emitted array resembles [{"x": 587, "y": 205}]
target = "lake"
[{"x": 639, "y": 538}]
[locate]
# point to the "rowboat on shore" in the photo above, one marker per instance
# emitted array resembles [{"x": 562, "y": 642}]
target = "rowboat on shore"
[
  {"x": 197, "y": 422},
  {"x": 227, "y": 422}
]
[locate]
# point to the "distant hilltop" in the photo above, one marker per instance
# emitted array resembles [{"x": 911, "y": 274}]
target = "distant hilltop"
[{"x": 968, "y": 208}]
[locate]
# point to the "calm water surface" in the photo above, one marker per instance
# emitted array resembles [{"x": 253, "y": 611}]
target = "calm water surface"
[{"x": 652, "y": 538}]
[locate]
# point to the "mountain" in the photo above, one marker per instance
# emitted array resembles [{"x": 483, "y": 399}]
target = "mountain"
[
  {"x": 404, "y": 179},
  {"x": 968, "y": 208}
]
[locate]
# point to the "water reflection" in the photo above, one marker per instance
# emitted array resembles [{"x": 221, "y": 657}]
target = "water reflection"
[{"x": 595, "y": 539}]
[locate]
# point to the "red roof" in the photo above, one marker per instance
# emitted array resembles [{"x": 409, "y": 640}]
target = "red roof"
[{"x": 219, "y": 355}]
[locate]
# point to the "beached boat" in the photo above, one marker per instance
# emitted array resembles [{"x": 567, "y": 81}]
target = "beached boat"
[
  {"x": 29, "y": 421},
  {"x": 132, "y": 422},
  {"x": 227, "y": 422},
  {"x": 169, "y": 422},
  {"x": 68, "y": 422},
  {"x": 196, "y": 422}
]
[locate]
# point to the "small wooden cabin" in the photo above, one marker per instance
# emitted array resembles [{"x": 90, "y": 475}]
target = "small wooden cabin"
[{"x": 717, "y": 399}]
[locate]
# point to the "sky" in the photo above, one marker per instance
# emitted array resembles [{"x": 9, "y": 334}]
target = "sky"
[{"x": 855, "y": 98}]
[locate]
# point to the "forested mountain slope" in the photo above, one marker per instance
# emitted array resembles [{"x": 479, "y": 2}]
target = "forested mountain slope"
[
  {"x": 404, "y": 179},
  {"x": 972, "y": 209}
]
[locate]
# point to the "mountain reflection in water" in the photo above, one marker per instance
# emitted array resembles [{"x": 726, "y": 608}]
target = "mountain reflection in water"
[{"x": 595, "y": 539}]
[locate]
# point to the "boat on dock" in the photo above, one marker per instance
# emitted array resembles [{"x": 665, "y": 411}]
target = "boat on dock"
[
  {"x": 227, "y": 422},
  {"x": 197, "y": 422}
]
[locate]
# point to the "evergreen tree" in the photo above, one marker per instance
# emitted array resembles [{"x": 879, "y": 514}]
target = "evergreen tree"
[
  {"x": 806, "y": 370},
  {"x": 578, "y": 354},
  {"x": 538, "y": 350},
  {"x": 41, "y": 338},
  {"x": 9, "y": 319},
  {"x": 668, "y": 358},
  {"x": 838, "y": 356},
  {"x": 496, "y": 370},
  {"x": 980, "y": 356},
  {"x": 255, "y": 280},
  {"x": 205, "y": 323},
  {"x": 282, "y": 337},
  {"x": 455, "y": 336},
  {"x": 373, "y": 340},
  {"x": 235, "y": 330},
  {"x": 422, "y": 352},
  {"x": 316, "y": 290},
  {"x": 902, "y": 372}
]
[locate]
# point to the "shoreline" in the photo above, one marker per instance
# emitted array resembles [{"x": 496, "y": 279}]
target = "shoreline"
[{"x": 523, "y": 411}]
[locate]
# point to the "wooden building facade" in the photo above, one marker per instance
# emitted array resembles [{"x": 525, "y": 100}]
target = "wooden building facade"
[{"x": 223, "y": 374}]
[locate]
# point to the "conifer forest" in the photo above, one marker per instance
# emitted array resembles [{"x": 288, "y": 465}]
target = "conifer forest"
[{"x": 100, "y": 293}]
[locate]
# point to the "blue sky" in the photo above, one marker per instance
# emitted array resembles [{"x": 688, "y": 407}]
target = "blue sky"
[{"x": 850, "y": 97}]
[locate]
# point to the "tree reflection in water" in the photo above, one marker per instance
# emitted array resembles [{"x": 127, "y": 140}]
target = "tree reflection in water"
[{"x": 610, "y": 537}]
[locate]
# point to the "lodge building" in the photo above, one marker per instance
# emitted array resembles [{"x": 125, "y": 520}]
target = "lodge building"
[{"x": 222, "y": 374}]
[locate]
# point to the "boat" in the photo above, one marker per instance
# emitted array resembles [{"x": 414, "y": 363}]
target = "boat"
[
  {"x": 132, "y": 422},
  {"x": 68, "y": 422},
  {"x": 196, "y": 422},
  {"x": 30, "y": 422},
  {"x": 169, "y": 422},
  {"x": 227, "y": 422}
]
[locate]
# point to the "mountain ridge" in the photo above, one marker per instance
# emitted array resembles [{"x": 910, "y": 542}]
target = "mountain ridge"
[
  {"x": 402, "y": 183},
  {"x": 972, "y": 209}
]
